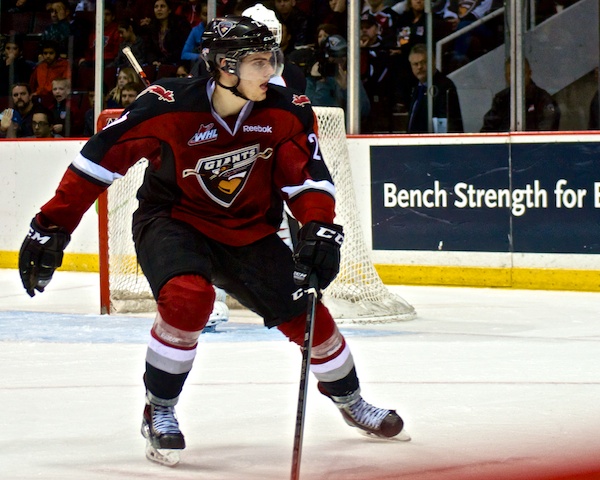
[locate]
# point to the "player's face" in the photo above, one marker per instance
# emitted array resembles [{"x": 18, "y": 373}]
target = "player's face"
[{"x": 255, "y": 71}]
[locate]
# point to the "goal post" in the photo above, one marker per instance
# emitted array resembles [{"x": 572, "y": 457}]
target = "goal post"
[{"x": 357, "y": 295}]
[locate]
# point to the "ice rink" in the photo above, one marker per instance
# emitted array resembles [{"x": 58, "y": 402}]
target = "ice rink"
[{"x": 491, "y": 383}]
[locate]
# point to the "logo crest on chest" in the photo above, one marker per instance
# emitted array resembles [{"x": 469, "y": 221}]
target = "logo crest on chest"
[
  {"x": 223, "y": 176},
  {"x": 206, "y": 133}
]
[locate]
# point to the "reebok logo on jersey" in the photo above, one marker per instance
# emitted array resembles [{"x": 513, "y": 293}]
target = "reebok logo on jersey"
[
  {"x": 300, "y": 100},
  {"x": 222, "y": 177},
  {"x": 161, "y": 92},
  {"x": 206, "y": 133},
  {"x": 258, "y": 128}
]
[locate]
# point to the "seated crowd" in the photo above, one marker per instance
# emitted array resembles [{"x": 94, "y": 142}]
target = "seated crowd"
[{"x": 48, "y": 56}]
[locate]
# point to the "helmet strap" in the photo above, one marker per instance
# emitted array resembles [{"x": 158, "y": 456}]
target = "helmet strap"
[{"x": 233, "y": 89}]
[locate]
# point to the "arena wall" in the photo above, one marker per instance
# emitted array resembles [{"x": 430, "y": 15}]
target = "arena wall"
[{"x": 433, "y": 208}]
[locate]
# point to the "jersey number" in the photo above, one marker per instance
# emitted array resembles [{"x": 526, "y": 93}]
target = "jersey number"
[{"x": 314, "y": 140}]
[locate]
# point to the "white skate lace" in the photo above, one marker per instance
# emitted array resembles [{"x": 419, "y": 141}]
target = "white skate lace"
[
  {"x": 164, "y": 420},
  {"x": 367, "y": 415}
]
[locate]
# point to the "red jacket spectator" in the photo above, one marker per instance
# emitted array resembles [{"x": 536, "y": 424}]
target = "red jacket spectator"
[{"x": 50, "y": 68}]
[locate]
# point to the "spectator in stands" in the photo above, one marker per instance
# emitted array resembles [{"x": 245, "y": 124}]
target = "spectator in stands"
[
  {"x": 126, "y": 75},
  {"x": 13, "y": 67},
  {"x": 85, "y": 6},
  {"x": 327, "y": 86},
  {"x": 81, "y": 28},
  {"x": 447, "y": 117},
  {"x": 191, "y": 47},
  {"x": 460, "y": 14},
  {"x": 192, "y": 11},
  {"x": 16, "y": 121},
  {"x": 594, "y": 123},
  {"x": 412, "y": 30},
  {"x": 130, "y": 38},
  {"x": 166, "y": 34},
  {"x": 89, "y": 119},
  {"x": 183, "y": 70},
  {"x": 68, "y": 117},
  {"x": 59, "y": 30},
  {"x": 51, "y": 67},
  {"x": 387, "y": 18},
  {"x": 296, "y": 22},
  {"x": 112, "y": 41},
  {"x": 332, "y": 12},
  {"x": 542, "y": 111},
  {"x": 306, "y": 57},
  {"x": 16, "y": 6},
  {"x": 42, "y": 122},
  {"x": 376, "y": 77},
  {"x": 129, "y": 93}
]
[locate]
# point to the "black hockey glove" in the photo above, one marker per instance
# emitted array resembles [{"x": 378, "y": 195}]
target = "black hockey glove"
[
  {"x": 41, "y": 254},
  {"x": 318, "y": 252}
]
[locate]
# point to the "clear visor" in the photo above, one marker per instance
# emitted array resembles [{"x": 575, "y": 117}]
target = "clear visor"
[{"x": 261, "y": 66}]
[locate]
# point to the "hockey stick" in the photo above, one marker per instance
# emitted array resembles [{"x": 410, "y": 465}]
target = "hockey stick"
[
  {"x": 312, "y": 292},
  {"x": 136, "y": 66}
]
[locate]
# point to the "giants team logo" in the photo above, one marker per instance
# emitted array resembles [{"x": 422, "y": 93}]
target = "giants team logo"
[
  {"x": 222, "y": 177},
  {"x": 161, "y": 92},
  {"x": 300, "y": 100},
  {"x": 206, "y": 133},
  {"x": 224, "y": 27}
]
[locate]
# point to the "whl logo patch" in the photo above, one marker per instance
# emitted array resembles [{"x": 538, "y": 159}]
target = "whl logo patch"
[
  {"x": 223, "y": 176},
  {"x": 206, "y": 133}
]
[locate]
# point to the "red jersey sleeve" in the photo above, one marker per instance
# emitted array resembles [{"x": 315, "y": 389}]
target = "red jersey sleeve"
[{"x": 304, "y": 179}]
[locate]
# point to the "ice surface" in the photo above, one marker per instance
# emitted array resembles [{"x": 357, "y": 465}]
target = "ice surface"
[{"x": 492, "y": 384}]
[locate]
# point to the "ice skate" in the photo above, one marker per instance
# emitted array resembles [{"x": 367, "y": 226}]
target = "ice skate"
[
  {"x": 164, "y": 440},
  {"x": 220, "y": 312},
  {"x": 372, "y": 421}
]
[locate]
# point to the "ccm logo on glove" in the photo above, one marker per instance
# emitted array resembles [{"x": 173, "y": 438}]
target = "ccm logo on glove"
[
  {"x": 318, "y": 253},
  {"x": 330, "y": 234}
]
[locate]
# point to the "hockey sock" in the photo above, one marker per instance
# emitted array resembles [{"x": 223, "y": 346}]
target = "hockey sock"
[{"x": 342, "y": 387}]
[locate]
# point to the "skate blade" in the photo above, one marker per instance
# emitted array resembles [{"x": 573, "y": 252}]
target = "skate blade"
[
  {"x": 401, "y": 437},
  {"x": 163, "y": 456}
]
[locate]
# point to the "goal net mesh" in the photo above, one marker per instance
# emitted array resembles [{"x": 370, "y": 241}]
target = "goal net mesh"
[{"x": 357, "y": 295}]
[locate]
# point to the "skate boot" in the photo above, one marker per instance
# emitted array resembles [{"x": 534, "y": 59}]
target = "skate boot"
[
  {"x": 220, "y": 312},
  {"x": 163, "y": 437},
  {"x": 372, "y": 421}
]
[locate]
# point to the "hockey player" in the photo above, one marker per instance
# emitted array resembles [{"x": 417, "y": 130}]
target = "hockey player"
[{"x": 224, "y": 154}]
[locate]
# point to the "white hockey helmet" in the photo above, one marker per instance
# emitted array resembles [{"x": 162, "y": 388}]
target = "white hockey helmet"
[{"x": 262, "y": 14}]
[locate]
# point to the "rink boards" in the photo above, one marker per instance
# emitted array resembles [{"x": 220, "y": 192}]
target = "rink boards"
[{"x": 519, "y": 210}]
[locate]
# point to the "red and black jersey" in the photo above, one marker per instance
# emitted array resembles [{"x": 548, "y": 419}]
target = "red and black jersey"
[{"x": 226, "y": 177}]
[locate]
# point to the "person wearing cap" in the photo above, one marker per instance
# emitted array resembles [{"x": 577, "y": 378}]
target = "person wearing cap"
[
  {"x": 327, "y": 86},
  {"x": 376, "y": 76}
]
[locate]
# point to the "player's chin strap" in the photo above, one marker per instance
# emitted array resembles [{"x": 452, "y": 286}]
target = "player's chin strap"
[{"x": 233, "y": 89}]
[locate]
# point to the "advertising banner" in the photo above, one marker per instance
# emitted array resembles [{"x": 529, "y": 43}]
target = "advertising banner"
[{"x": 513, "y": 197}]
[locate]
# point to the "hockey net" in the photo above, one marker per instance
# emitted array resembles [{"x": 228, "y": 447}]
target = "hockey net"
[{"x": 357, "y": 295}]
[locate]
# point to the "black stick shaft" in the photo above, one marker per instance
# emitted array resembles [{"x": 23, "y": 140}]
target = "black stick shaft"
[{"x": 302, "y": 392}]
